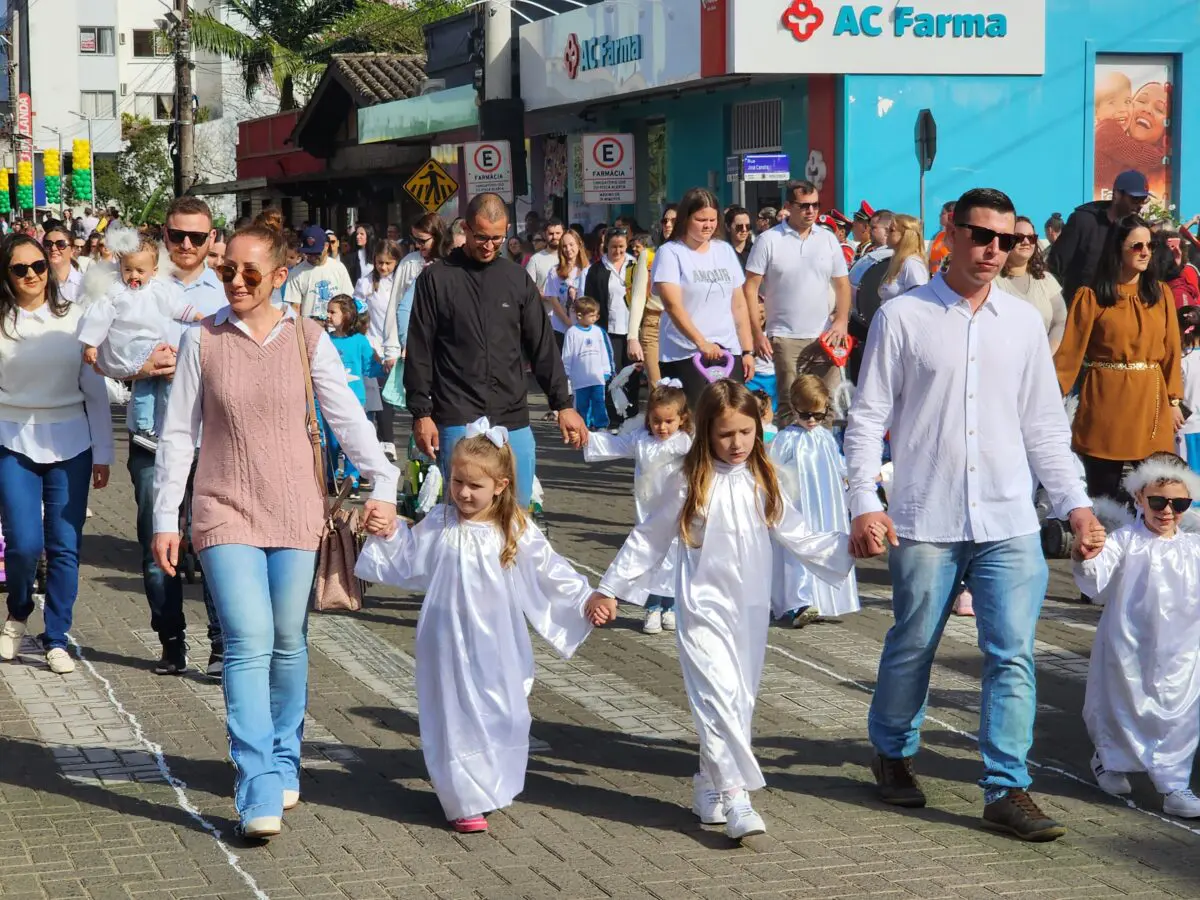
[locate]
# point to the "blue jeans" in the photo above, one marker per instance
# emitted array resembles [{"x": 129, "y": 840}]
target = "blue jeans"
[
  {"x": 765, "y": 383},
  {"x": 1008, "y": 582},
  {"x": 150, "y": 396},
  {"x": 332, "y": 451},
  {"x": 164, "y": 593},
  {"x": 660, "y": 603},
  {"x": 262, "y": 596},
  {"x": 524, "y": 453},
  {"x": 43, "y": 507},
  {"x": 589, "y": 403}
]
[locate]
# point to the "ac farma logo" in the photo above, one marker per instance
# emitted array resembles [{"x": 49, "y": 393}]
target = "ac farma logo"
[{"x": 803, "y": 18}]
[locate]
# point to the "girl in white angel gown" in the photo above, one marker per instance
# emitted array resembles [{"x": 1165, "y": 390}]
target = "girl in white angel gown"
[
  {"x": 812, "y": 475},
  {"x": 1142, "y": 705},
  {"x": 485, "y": 569},
  {"x": 722, "y": 518},
  {"x": 657, "y": 449}
]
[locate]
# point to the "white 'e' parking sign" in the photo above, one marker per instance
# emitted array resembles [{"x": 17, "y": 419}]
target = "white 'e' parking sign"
[
  {"x": 608, "y": 170},
  {"x": 488, "y": 166}
]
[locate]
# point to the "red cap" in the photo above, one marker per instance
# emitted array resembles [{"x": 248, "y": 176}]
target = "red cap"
[
  {"x": 828, "y": 221},
  {"x": 865, "y": 211},
  {"x": 840, "y": 217}
]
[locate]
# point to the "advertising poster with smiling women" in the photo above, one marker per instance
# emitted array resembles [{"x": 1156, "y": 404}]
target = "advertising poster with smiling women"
[{"x": 1133, "y": 122}]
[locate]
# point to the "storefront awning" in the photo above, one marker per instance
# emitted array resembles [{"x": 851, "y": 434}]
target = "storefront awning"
[
  {"x": 228, "y": 187},
  {"x": 419, "y": 118}
]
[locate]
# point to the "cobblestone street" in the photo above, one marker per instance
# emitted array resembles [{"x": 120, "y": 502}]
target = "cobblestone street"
[{"x": 115, "y": 783}]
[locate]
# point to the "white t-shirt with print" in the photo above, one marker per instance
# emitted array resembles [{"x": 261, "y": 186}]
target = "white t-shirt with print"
[{"x": 707, "y": 281}]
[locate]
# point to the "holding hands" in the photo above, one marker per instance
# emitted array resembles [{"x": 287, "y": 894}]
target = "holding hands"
[
  {"x": 600, "y": 609},
  {"x": 1089, "y": 534},
  {"x": 870, "y": 534}
]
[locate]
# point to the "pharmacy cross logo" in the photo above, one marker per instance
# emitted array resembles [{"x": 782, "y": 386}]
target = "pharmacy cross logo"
[
  {"x": 802, "y": 19},
  {"x": 572, "y": 55}
]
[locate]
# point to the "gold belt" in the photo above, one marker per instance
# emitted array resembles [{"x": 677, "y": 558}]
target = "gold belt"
[{"x": 1132, "y": 367}]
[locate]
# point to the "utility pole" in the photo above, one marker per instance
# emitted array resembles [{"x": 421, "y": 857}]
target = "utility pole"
[
  {"x": 14, "y": 87},
  {"x": 185, "y": 160},
  {"x": 497, "y": 50}
]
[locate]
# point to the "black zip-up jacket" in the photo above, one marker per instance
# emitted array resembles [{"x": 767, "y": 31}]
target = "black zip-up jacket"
[
  {"x": 472, "y": 327},
  {"x": 1076, "y": 253}
]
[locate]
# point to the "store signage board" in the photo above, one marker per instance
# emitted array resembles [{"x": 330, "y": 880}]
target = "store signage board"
[
  {"x": 608, "y": 169},
  {"x": 488, "y": 167},
  {"x": 766, "y": 167}
]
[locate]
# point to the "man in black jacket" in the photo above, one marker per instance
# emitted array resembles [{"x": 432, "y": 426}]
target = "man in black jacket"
[
  {"x": 476, "y": 318},
  {"x": 1074, "y": 256}
]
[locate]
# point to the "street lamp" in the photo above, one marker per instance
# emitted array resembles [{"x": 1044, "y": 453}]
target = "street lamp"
[{"x": 91, "y": 151}]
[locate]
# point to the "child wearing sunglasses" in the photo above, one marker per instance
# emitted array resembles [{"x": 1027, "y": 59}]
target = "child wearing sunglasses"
[
  {"x": 126, "y": 320},
  {"x": 812, "y": 476},
  {"x": 1142, "y": 705}
]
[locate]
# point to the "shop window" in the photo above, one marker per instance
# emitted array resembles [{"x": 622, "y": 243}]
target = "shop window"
[
  {"x": 96, "y": 41},
  {"x": 757, "y": 127},
  {"x": 1135, "y": 111},
  {"x": 656, "y": 142}
]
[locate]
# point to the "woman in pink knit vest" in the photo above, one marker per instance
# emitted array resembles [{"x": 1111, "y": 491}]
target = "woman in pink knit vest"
[{"x": 258, "y": 507}]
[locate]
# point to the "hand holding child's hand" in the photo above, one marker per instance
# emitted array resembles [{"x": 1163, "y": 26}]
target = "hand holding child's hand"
[
  {"x": 89, "y": 355},
  {"x": 600, "y": 609},
  {"x": 380, "y": 519}
]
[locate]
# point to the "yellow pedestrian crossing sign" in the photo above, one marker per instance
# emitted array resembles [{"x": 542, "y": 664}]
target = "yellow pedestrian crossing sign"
[{"x": 431, "y": 186}]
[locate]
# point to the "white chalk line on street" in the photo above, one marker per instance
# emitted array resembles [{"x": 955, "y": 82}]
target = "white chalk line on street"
[
  {"x": 845, "y": 679},
  {"x": 177, "y": 785}
]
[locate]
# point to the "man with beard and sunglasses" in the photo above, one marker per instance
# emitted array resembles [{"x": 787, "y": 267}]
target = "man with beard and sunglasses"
[
  {"x": 188, "y": 233},
  {"x": 961, "y": 374}
]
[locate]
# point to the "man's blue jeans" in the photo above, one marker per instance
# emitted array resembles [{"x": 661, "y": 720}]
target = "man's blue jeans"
[
  {"x": 524, "y": 454},
  {"x": 1008, "y": 582},
  {"x": 262, "y": 597},
  {"x": 43, "y": 507}
]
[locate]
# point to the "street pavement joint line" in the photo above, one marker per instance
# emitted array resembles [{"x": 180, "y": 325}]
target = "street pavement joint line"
[{"x": 178, "y": 786}]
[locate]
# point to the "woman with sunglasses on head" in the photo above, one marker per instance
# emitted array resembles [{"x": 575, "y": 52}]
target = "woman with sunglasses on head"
[
  {"x": 1124, "y": 335},
  {"x": 1025, "y": 276},
  {"x": 608, "y": 282},
  {"x": 55, "y": 443},
  {"x": 258, "y": 504},
  {"x": 60, "y": 253}
]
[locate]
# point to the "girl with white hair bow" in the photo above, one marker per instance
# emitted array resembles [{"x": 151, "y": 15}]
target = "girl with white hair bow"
[{"x": 485, "y": 569}]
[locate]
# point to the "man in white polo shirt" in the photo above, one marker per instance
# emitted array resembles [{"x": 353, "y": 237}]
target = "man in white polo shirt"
[{"x": 802, "y": 273}]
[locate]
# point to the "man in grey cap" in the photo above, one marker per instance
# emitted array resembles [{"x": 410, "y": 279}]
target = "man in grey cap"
[{"x": 1074, "y": 256}]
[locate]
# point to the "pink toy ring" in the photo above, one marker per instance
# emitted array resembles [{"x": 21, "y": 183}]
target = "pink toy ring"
[{"x": 716, "y": 372}]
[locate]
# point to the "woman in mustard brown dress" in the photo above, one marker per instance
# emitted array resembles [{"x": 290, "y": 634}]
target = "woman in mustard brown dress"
[{"x": 1124, "y": 337}]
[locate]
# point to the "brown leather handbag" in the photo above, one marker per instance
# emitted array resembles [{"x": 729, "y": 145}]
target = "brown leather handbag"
[{"x": 337, "y": 587}]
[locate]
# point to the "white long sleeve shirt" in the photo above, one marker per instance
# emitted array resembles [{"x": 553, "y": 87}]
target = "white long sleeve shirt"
[{"x": 972, "y": 403}]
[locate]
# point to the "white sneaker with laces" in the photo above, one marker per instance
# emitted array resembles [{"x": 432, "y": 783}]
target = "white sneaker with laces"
[
  {"x": 389, "y": 450},
  {"x": 1110, "y": 782},
  {"x": 740, "y": 818},
  {"x": 653, "y": 623},
  {"x": 291, "y": 799},
  {"x": 1182, "y": 803},
  {"x": 10, "y": 638},
  {"x": 59, "y": 661},
  {"x": 668, "y": 620},
  {"x": 706, "y": 801}
]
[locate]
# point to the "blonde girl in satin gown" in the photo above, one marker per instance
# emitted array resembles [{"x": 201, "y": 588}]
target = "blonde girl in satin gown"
[
  {"x": 485, "y": 570},
  {"x": 723, "y": 518}
]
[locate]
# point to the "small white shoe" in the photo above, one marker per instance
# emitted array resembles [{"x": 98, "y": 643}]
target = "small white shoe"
[
  {"x": 668, "y": 620},
  {"x": 291, "y": 799},
  {"x": 1110, "y": 782},
  {"x": 706, "y": 801},
  {"x": 740, "y": 818},
  {"x": 59, "y": 661},
  {"x": 262, "y": 827},
  {"x": 10, "y": 638},
  {"x": 389, "y": 450},
  {"x": 653, "y": 623},
  {"x": 1182, "y": 803}
]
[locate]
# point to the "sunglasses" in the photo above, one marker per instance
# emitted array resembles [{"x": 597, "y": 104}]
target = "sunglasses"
[
  {"x": 252, "y": 277},
  {"x": 981, "y": 236},
  {"x": 1027, "y": 238},
  {"x": 1139, "y": 247},
  {"x": 60, "y": 245},
  {"x": 741, "y": 227},
  {"x": 1179, "y": 504},
  {"x": 807, "y": 207},
  {"x": 490, "y": 241},
  {"x": 617, "y": 232},
  {"x": 39, "y": 267},
  {"x": 428, "y": 239},
  {"x": 812, "y": 416},
  {"x": 176, "y": 236}
]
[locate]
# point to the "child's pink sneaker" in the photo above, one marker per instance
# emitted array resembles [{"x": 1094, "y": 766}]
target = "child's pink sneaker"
[
  {"x": 963, "y": 605},
  {"x": 469, "y": 825}
]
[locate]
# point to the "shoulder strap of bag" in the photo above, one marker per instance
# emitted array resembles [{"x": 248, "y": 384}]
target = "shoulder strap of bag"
[{"x": 314, "y": 431}]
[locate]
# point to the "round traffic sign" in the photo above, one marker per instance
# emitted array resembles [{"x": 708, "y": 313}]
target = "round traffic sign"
[
  {"x": 488, "y": 153},
  {"x": 601, "y": 152}
]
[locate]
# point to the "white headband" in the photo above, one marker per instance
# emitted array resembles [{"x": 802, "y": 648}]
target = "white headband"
[
  {"x": 498, "y": 434},
  {"x": 669, "y": 382},
  {"x": 1155, "y": 471}
]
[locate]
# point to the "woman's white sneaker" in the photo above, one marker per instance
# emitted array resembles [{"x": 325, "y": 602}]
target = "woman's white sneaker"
[
  {"x": 706, "y": 801},
  {"x": 1182, "y": 803},
  {"x": 653, "y": 623},
  {"x": 59, "y": 661},
  {"x": 1110, "y": 782},
  {"x": 10, "y": 638},
  {"x": 740, "y": 818}
]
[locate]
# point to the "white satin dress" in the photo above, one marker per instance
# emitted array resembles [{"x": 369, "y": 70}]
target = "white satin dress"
[
  {"x": 812, "y": 475},
  {"x": 1142, "y": 705},
  {"x": 474, "y": 657},
  {"x": 723, "y": 599},
  {"x": 655, "y": 463}
]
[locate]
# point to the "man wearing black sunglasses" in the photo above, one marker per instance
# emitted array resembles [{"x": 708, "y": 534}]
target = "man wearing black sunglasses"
[{"x": 960, "y": 372}]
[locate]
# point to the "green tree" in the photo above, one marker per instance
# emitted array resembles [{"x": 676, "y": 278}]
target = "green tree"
[
  {"x": 138, "y": 179},
  {"x": 290, "y": 42}
]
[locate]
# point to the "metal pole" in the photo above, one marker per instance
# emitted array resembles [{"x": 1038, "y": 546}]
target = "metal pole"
[
  {"x": 92, "y": 162},
  {"x": 185, "y": 176},
  {"x": 922, "y": 202},
  {"x": 497, "y": 51},
  {"x": 14, "y": 90}
]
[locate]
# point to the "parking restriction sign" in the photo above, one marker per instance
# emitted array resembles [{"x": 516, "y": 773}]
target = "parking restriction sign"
[
  {"x": 608, "y": 168},
  {"x": 488, "y": 165}
]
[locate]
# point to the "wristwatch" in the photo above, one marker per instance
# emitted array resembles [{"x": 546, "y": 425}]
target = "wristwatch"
[{"x": 1176, "y": 402}]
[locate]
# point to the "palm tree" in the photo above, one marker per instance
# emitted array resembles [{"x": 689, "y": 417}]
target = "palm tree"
[{"x": 289, "y": 42}]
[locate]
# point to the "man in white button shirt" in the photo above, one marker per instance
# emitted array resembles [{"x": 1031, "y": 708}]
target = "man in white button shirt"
[
  {"x": 961, "y": 374},
  {"x": 803, "y": 276}
]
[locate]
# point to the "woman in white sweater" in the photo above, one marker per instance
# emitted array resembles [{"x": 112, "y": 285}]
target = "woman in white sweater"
[{"x": 55, "y": 443}]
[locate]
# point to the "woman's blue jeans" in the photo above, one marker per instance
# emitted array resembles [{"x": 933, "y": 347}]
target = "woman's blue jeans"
[
  {"x": 1007, "y": 580},
  {"x": 524, "y": 452},
  {"x": 43, "y": 507},
  {"x": 261, "y": 596}
]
